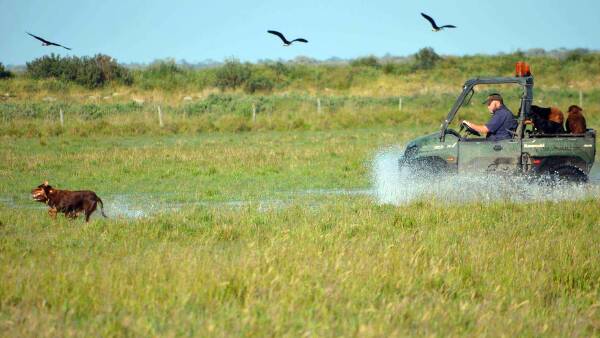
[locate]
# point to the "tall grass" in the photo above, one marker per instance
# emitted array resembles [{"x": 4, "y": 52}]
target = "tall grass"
[
  {"x": 240, "y": 112},
  {"x": 382, "y": 76},
  {"x": 236, "y": 239},
  {"x": 346, "y": 267}
]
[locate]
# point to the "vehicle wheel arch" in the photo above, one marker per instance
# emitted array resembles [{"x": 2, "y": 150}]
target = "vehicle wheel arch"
[
  {"x": 432, "y": 164},
  {"x": 554, "y": 162}
]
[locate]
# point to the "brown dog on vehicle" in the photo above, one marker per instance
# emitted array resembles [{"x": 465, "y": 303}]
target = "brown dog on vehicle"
[
  {"x": 576, "y": 121},
  {"x": 71, "y": 203},
  {"x": 547, "y": 120}
]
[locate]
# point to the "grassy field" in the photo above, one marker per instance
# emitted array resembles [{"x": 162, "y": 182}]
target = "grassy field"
[
  {"x": 221, "y": 224},
  {"x": 289, "y": 260}
]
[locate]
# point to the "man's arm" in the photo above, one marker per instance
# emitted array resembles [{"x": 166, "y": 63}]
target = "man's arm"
[{"x": 481, "y": 128}]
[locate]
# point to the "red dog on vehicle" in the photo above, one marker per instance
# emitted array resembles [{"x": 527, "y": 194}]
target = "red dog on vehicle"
[
  {"x": 576, "y": 121},
  {"x": 71, "y": 203},
  {"x": 547, "y": 120}
]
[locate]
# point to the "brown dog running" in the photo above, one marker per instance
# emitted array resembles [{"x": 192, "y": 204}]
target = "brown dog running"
[
  {"x": 576, "y": 121},
  {"x": 71, "y": 203}
]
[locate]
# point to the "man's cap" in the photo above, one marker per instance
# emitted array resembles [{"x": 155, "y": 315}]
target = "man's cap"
[{"x": 493, "y": 97}]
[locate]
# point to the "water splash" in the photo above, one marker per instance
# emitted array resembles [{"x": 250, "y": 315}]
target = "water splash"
[{"x": 395, "y": 186}]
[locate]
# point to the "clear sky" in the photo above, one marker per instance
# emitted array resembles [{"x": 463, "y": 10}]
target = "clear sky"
[{"x": 196, "y": 30}]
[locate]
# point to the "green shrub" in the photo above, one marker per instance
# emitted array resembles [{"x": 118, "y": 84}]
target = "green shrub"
[
  {"x": 89, "y": 72},
  {"x": 367, "y": 61},
  {"x": 426, "y": 58},
  {"x": 164, "y": 68},
  {"x": 232, "y": 74},
  {"x": 280, "y": 69},
  {"x": 4, "y": 74},
  {"x": 258, "y": 83},
  {"x": 576, "y": 55},
  {"x": 164, "y": 75}
]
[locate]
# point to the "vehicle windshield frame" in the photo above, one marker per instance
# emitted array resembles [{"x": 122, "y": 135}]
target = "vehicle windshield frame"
[{"x": 526, "y": 84}]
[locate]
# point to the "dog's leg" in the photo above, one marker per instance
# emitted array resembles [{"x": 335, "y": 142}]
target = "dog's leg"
[
  {"x": 72, "y": 214},
  {"x": 88, "y": 208},
  {"x": 52, "y": 212}
]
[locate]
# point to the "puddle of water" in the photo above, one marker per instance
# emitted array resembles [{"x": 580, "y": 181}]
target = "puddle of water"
[
  {"x": 143, "y": 205},
  {"x": 595, "y": 174},
  {"x": 390, "y": 186},
  {"x": 393, "y": 186}
]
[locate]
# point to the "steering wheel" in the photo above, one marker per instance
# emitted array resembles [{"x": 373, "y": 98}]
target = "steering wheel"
[{"x": 464, "y": 126}]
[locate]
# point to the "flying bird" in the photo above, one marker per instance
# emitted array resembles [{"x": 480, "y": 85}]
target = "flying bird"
[
  {"x": 285, "y": 41},
  {"x": 48, "y": 43},
  {"x": 434, "y": 26}
]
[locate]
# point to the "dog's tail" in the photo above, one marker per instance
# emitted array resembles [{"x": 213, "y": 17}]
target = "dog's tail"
[{"x": 101, "y": 207}]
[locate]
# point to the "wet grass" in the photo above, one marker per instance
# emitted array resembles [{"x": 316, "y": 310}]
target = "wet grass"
[
  {"x": 317, "y": 264},
  {"x": 343, "y": 268},
  {"x": 218, "y": 166}
]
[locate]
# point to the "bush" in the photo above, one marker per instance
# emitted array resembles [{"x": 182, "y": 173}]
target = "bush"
[
  {"x": 232, "y": 74},
  {"x": 576, "y": 55},
  {"x": 280, "y": 69},
  {"x": 367, "y": 61},
  {"x": 164, "y": 68},
  {"x": 259, "y": 83},
  {"x": 89, "y": 72},
  {"x": 426, "y": 58},
  {"x": 4, "y": 74}
]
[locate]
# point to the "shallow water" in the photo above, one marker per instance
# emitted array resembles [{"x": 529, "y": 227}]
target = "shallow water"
[
  {"x": 389, "y": 186},
  {"x": 396, "y": 187}
]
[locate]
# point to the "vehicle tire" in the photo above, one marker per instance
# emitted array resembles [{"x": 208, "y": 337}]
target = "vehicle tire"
[{"x": 565, "y": 173}]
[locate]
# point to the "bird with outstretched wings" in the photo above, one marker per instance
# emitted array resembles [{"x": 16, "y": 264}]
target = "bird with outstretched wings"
[
  {"x": 434, "y": 26},
  {"x": 48, "y": 43},
  {"x": 286, "y": 42}
]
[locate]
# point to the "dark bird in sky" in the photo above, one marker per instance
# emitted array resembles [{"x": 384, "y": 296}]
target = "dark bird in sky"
[
  {"x": 285, "y": 41},
  {"x": 434, "y": 26},
  {"x": 48, "y": 43}
]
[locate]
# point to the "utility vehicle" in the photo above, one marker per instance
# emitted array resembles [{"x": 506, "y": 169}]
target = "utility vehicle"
[{"x": 560, "y": 156}]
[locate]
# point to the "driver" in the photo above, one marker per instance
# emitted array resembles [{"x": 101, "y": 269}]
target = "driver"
[{"x": 502, "y": 122}]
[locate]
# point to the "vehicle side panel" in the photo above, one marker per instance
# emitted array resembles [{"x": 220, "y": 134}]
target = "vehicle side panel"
[{"x": 481, "y": 156}]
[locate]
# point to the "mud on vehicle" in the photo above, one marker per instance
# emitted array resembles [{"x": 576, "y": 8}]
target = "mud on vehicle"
[{"x": 551, "y": 156}]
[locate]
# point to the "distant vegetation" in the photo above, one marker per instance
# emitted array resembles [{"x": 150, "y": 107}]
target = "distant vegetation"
[
  {"x": 89, "y": 72},
  {"x": 4, "y": 73},
  {"x": 304, "y": 73},
  {"x": 302, "y": 94}
]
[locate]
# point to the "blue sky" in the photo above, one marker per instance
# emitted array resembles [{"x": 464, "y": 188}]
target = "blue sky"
[{"x": 143, "y": 31}]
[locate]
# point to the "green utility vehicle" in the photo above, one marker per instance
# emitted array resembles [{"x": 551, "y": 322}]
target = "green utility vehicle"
[{"x": 558, "y": 156}]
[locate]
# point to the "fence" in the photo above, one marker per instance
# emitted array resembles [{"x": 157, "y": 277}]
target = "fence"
[{"x": 253, "y": 107}]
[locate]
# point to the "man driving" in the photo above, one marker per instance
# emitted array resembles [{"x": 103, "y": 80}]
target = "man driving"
[{"x": 502, "y": 122}]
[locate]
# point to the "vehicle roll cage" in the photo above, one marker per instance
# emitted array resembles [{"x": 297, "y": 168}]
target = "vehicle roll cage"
[{"x": 525, "y": 82}]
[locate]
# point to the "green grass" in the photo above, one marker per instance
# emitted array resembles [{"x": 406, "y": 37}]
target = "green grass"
[
  {"x": 246, "y": 230},
  {"x": 314, "y": 264},
  {"x": 355, "y": 95},
  {"x": 214, "y": 166},
  {"x": 347, "y": 267},
  {"x": 234, "y": 113}
]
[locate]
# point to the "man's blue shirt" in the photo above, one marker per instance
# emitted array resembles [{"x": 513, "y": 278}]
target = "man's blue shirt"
[{"x": 500, "y": 124}]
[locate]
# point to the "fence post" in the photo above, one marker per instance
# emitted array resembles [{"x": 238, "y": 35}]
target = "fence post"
[
  {"x": 400, "y": 103},
  {"x": 318, "y": 105},
  {"x": 253, "y": 112},
  {"x": 160, "y": 119},
  {"x": 580, "y": 98},
  {"x": 62, "y": 118}
]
